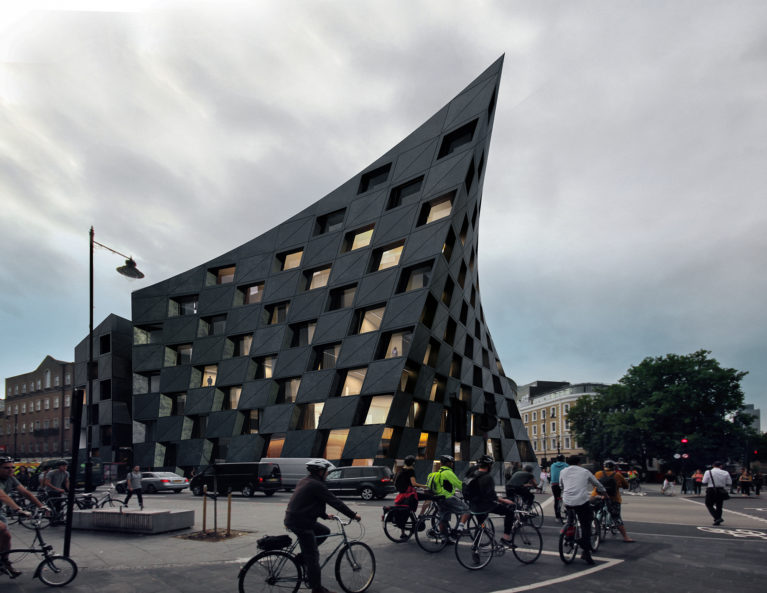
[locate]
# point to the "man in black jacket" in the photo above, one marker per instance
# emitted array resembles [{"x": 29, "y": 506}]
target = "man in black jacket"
[
  {"x": 306, "y": 506},
  {"x": 487, "y": 501}
]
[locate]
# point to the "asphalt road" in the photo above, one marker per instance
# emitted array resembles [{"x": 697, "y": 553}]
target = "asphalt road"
[{"x": 677, "y": 548}]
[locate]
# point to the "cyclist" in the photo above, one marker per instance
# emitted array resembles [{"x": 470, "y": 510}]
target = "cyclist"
[
  {"x": 405, "y": 483},
  {"x": 304, "y": 508},
  {"x": 520, "y": 484},
  {"x": 576, "y": 495},
  {"x": 485, "y": 500},
  {"x": 8, "y": 483},
  {"x": 633, "y": 478},
  {"x": 613, "y": 481},
  {"x": 445, "y": 484},
  {"x": 557, "y": 467}
]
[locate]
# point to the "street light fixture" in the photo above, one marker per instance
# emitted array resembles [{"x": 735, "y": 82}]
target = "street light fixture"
[{"x": 131, "y": 271}]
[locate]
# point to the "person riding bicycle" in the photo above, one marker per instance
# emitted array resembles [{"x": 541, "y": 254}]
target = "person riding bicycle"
[
  {"x": 9, "y": 483},
  {"x": 483, "y": 498},
  {"x": 613, "y": 481},
  {"x": 520, "y": 484},
  {"x": 633, "y": 478},
  {"x": 556, "y": 490},
  {"x": 445, "y": 484},
  {"x": 304, "y": 508},
  {"x": 576, "y": 494},
  {"x": 405, "y": 483}
]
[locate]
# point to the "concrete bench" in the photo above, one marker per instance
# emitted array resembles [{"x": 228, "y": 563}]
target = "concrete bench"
[{"x": 149, "y": 522}]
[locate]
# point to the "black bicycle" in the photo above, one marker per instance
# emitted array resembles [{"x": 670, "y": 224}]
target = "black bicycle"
[
  {"x": 399, "y": 523},
  {"x": 54, "y": 570},
  {"x": 570, "y": 535},
  {"x": 534, "y": 510},
  {"x": 278, "y": 568}
]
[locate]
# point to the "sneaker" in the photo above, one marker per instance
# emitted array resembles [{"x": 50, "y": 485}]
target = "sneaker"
[
  {"x": 404, "y": 537},
  {"x": 461, "y": 528},
  {"x": 507, "y": 543},
  {"x": 7, "y": 568},
  {"x": 586, "y": 556}
]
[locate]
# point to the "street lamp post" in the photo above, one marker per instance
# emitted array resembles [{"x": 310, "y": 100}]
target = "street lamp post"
[{"x": 131, "y": 271}]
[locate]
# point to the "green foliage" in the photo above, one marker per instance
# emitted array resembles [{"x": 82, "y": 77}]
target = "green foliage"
[{"x": 660, "y": 401}]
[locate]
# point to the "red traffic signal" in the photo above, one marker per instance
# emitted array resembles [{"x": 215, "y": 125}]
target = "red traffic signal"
[{"x": 684, "y": 440}]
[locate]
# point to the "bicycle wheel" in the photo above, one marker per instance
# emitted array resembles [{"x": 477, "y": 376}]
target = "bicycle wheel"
[
  {"x": 428, "y": 535},
  {"x": 603, "y": 520},
  {"x": 355, "y": 567},
  {"x": 526, "y": 543},
  {"x": 38, "y": 519},
  {"x": 568, "y": 547},
  {"x": 394, "y": 532},
  {"x": 56, "y": 571},
  {"x": 596, "y": 534},
  {"x": 270, "y": 571},
  {"x": 111, "y": 503},
  {"x": 475, "y": 551},
  {"x": 536, "y": 514}
]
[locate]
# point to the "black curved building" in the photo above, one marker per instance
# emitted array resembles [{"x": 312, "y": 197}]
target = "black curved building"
[{"x": 353, "y": 331}]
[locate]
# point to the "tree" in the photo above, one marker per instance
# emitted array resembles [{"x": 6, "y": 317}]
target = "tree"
[{"x": 659, "y": 402}]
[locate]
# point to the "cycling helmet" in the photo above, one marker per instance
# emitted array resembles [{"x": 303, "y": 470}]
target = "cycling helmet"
[
  {"x": 317, "y": 465},
  {"x": 410, "y": 460},
  {"x": 485, "y": 460},
  {"x": 446, "y": 459},
  {"x": 609, "y": 464}
]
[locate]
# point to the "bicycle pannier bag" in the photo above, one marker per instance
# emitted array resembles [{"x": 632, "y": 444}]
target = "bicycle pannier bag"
[{"x": 274, "y": 542}]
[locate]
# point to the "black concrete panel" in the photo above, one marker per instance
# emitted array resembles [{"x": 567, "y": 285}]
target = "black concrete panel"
[
  {"x": 255, "y": 268},
  {"x": 169, "y": 428},
  {"x": 376, "y": 288},
  {"x": 301, "y": 443},
  {"x": 258, "y": 394},
  {"x": 365, "y": 210},
  {"x": 203, "y": 401},
  {"x": 208, "y": 350},
  {"x": 148, "y": 358},
  {"x": 383, "y": 376},
  {"x": 339, "y": 412},
  {"x": 349, "y": 267},
  {"x": 445, "y": 445},
  {"x": 394, "y": 225},
  {"x": 316, "y": 386},
  {"x": 245, "y": 447},
  {"x": 268, "y": 340},
  {"x": 146, "y": 406},
  {"x": 333, "y": 326},
  {"x": 363, "y": 442},
  {"x": 307, "y": 305},
  {"x": 404, "y": 310},
  {"x": 293, "y": 362},
  {"x": 243, "y": 319},
  {"x": 400, "y": 409},
  {"x": 181, "y": 329},
  {"x": 294, "y": 232},
  {"x": 408, "y": 444},
  {"x": 432, "y": 417},
  {"x": 282, "y": 286},
  {"x": 322, "y": 250},
  {"x": 194, "y": 452},
  {"x": 358, "y": 350},
  {"x": 278, "y": 418},
  {"x": 216, "y": 299},
  {"x": 175, "y": 378},
  {"x": 149, "y": 309},
  {"x": 224, "y": 424},
  {"x": 148, "y": 454},
  {"x": 233, "y": 371}
]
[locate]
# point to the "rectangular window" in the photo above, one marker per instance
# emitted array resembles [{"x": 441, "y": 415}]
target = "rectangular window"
[
  {"x": 407, "y": 193},
  {"x": 553, "y": 413},
  {"x": 325, "y": 357},
  {"x": 567, "y": 442},
  {"x": 290, "y": 260},
  {"x": 242, "y": 345},
  {"x": 277, "y": 313},
  {"x": 543, "y": 428},
  {"x": 535, "y": 416},
  {"x": 328, "y": 223},
  {"x": 302, "y": 334},
  {"x": 342, "y": 297},
  {"x": 67, "y": 401},
  {"x": 415, "y": 277},
  {"x": 398, "y": 344},
  {"x": 553, "y": 427},
  {"x": 251, "y": 423},
  {"x": 47, "y": 404},
  {"x": 310, "y": 416},
  {"x": 379, "y": 408},
  {"x": 24, "y": 408},
  {"x": 436, "y": 209},
  {"x": 56, "y": 403},
  {"x": 105, "y": 344},
  {"x": 276, "y": 443},
  {"x": 334, "y": 447},
  {"x": 209, "y": 375},
  {"x": 265, "y": 366},
  {"x": 353, "y": 382},
  {"x": 147, "y": 334},
  {"x": 387, "y": 257},
  {"x": 567, "y": 424},
  {"x": 186, "y": 305},
  {"x": 543, "y": 414},
  {"x": 212, "y": 326},
  {"x": 223, "y": 275},
  {"x": 358, "y": 239},
  {"x": 38, "y": 405},
  {"x": 370, "y": 320},
  {"x": 566, "y": 408},
  {"x": 177, "y": 355},
  {"x": 249, "y": 294},
  {"x": 290, "y": 389},
  {"x": 373, "y": 179},
  {"x": 535, "y": 429},
  {"x": 317, "y": 278},
  {"x": 457, "y": 138}
]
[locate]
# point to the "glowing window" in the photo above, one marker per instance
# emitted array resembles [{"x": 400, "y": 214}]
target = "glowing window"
[
  {"x": 390, "y": 258},
  {"x": 276, "y": 443},
  {"x": 334, "y": 448},
  {"x": 379, "y": 409},
  {"x": 292, "y": 260},
  {"x": 353, "y": 382},
  {"x": 371, "y": 320}
]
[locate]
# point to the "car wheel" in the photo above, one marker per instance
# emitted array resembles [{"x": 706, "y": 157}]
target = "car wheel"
[
  {"x": 150, "y": 489},
  {"x": 269, "y": 492},
  {"x": 247, "y": 490},
  {"x": 367, "y": 493},
  {"x": 197, "y": 490}
]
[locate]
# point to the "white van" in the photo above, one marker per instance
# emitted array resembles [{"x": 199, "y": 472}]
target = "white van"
[{"x": 292, "y": 469}]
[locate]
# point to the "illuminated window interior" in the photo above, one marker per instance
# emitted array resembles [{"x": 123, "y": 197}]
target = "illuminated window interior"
[
  {"x": 334, "y": 448},
  {"x": 353, "y": 382},
  {"x": 371, "y": 320},
  {"x": 390, "y": 257},
  {"x": 384, "y": 448},
  {"x": 290, "y": 388},
  {"x": 379, "y": 409},
  {"x": 225, "y": 275},
  {"x": 292, "y": 260},
  {"x": 234, "y": 397},
  {"x": 319, "y": 278},
  {"x": 326, "y": 357},
  {"x": 209, "y": 375},
  {"x": 253, "y": 293},
  {"x": 265, "y": 367},
  {"x": 310, "y": 416},
  {"x": 276, "y": 443},
  {"x": 342, "y": 297},
  {"x": 398, "y": 345},
  {"x": 361, "y": 239}
]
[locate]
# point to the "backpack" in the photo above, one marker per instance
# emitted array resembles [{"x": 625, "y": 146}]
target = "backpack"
[
  {"x": 610, "y": 484},
  {"x": 470, "y": 489},
  {"x": 436, "y": 483}
]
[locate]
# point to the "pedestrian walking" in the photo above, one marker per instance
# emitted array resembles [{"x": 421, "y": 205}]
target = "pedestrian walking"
[
  {"x": 745, "y": 481},
  {"x": 697, "y": 481},
  {"x": 717, "y": 483},
  {"x": 133, "y": 483}
]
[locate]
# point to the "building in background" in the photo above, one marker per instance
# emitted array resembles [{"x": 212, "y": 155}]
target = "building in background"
[
  {"x": 756, "y": 416},
  {"x": 353, "y": 331},
  {"x": 37, "y": 411},
  {"x": 544, "y": 406},
  {"x": 110, "y": 420}
]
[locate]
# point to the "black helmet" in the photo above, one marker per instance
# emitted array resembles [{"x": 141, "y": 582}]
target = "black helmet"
[
  {"x": 485, "y": 460},
  {"x": 446, "y": 459},
  {"x": 410, "y": 460},
  {"x": 560, "y": 457},
  {"x": 609, "y": 464}
]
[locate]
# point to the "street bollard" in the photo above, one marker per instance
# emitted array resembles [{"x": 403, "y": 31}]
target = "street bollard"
[
  {"x": 229, "y": 514},
  {"x": 204, "y": 507}
]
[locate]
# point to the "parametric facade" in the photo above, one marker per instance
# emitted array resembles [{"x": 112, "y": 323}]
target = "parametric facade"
[{"x": 353, "y": 331}]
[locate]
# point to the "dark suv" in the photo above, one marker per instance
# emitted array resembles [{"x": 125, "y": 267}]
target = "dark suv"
[
  {"x": 369, "y": 482},
  {"x": 247, "y": 478}
]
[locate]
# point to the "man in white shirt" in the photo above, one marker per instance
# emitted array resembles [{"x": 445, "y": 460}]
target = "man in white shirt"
[
  {"x": 717, "y": 482},
  {"x": 576, "y": 483}
]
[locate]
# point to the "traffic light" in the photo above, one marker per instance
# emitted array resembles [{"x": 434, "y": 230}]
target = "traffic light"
[{"x": 684, "y": 440}]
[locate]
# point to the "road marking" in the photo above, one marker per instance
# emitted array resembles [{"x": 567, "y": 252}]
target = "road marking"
[
  {"x": 747, "y": 516},
  {"x": 608, "y": 563},
  {"x": 735, "y": 532}
]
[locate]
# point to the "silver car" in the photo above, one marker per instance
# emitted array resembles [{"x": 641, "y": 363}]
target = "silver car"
[{"x": 152, "y": 482}]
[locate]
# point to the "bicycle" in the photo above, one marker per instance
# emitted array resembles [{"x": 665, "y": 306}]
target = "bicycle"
[
  {"x": 605, "y": 518},
  {"x": 91, "y": 501},
  {"x": 534, "y": 509},
  {"x": 560, "y": 517},
  {"x": 475, "y": 550},
  {"x": 429, "y": 535},
  {"x": 570, "y": 535},
  {"x": 399, "y": 518},
  {"x": 278, "y": 568},
  {"x": 54, "y": 570},
  {"x": 635, "y": 487}
]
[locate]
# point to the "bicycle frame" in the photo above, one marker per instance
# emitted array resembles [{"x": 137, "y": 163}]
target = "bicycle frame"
[{"x": 344, "y": 540}]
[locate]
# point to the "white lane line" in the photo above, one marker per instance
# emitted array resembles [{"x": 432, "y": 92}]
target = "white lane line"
[
  {"x": 726, "y": 510},
  {"x": 608, "y": 563}
]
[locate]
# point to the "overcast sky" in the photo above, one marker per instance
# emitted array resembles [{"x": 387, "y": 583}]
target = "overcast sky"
[{"x": 624, "y": 201}]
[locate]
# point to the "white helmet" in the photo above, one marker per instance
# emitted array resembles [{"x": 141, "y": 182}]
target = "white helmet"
[{"x": 318, "y": 464}]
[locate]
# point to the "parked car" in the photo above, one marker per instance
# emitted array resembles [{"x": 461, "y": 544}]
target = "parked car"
[
  {"x": 247, "y": 478},
  {"x": 292, "y": 469},
  {"x": 152, "y": 482},
  {"x": 374, "y": 481}
]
